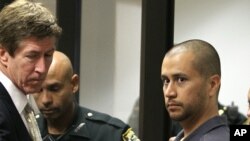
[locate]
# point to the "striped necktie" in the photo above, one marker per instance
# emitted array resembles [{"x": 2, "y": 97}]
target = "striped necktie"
[{"x": 32, "y": 124}]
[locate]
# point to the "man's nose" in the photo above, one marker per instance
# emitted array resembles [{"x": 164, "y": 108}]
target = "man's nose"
[
  {"x": 41, "y": 65},
  {"x": 169, "y": 90}
]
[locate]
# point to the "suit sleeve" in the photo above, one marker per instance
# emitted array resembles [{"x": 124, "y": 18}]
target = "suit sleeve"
[{"x": 4, "y": 131}]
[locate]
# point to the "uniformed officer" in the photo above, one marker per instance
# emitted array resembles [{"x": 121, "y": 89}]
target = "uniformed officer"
[{"x": 62, "y": 119}]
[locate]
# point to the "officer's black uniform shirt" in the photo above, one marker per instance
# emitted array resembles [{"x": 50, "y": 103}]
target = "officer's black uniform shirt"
[{"x": 89, "y": 125}]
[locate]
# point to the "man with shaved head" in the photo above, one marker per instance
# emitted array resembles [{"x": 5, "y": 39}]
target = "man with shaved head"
[
  {"x": 63, "y": 119},
  {"x": 191, "y": 78}
]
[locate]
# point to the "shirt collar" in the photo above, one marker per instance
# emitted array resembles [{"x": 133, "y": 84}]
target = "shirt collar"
[
  {"x": 17, "y": 96},
  {"x": 79, "y": 123},
  {"x": 210, "y": 124},
  {"x": 78, "y": 127},
  {"x": 33, "y": 104}
]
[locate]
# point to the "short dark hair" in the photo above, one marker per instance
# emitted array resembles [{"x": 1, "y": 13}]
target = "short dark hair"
[{"x": 207, "y": 60}]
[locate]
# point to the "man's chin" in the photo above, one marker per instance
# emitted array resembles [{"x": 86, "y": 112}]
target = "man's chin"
[
  {"x": 50, "y": 117},
  {"x": 32, "y": 89},
  {"x": 175, "y": 117}
]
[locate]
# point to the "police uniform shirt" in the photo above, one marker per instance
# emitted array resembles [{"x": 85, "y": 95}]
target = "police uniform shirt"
[
  {"x": 89, "y": 125},
  {"x": 215, "y": 129}
]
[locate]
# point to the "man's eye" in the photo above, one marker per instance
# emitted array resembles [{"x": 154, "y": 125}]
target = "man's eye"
[
  {"x": 32, "y": 56},
  {"x": 53, "y": 88},
  {"x": 48, "y": 55},
  {"x": 181, "y": 79},
  {"x": 165, "y": 81}
]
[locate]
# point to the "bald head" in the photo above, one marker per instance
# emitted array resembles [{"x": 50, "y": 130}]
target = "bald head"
[
  {"x": 62, "y": 64},
  {"x": 207, "y": 61},
  {"x": 58, "y": 90}
]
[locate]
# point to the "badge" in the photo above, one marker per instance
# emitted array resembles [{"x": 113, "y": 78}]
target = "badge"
[{"x": 129, "y": 135}]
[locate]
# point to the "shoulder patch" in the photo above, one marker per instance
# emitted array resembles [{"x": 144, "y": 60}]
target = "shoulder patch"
[{"x": 129, "y": 135}]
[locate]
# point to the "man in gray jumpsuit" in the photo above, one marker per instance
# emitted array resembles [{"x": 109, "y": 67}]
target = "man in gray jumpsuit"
[{"x": 191, "y": 81}]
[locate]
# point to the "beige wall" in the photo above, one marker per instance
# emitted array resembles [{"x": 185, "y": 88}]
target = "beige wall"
[
  {"x": 110, "y": 55},
  {"x": 225, "y": 24}
]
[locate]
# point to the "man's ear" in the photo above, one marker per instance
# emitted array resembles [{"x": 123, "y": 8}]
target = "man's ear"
[
  {"x": 214, "y": 84},
  {"x": 3, "y": 55},
  {"x": 75, "y": 83}
]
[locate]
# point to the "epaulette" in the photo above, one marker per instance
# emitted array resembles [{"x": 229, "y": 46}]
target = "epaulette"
[{"x": 96, "y": 116}]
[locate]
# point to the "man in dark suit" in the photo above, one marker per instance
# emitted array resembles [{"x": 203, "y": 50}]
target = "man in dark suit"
[{"x": 28, "y": 34}]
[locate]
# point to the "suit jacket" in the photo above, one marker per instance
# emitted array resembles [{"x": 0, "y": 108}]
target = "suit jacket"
[{"x": 12, "y": 127}]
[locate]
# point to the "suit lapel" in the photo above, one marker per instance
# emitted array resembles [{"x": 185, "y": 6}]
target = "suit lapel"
[{"x": 16, "y": 121}]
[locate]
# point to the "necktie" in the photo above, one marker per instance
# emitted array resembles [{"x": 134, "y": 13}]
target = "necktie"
[{"x": 32, "y": 124}]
